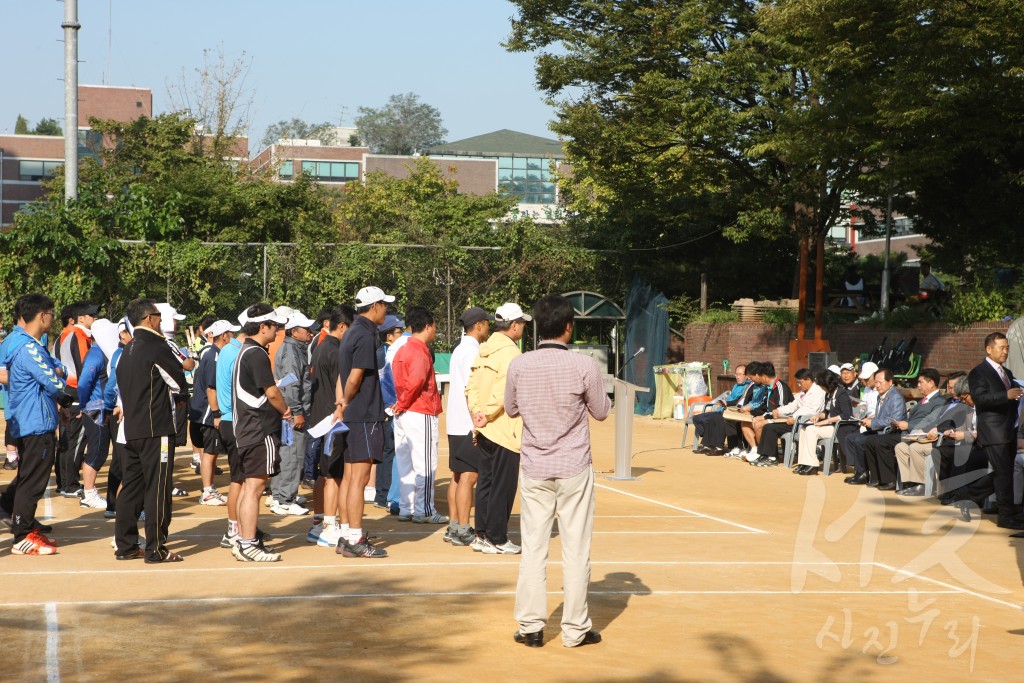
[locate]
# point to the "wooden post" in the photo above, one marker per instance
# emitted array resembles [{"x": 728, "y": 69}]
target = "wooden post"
[
  {"x": 703, "y": 292},
  {"x": 819, "y": 287},
  {"x": 801, "y": 320}
]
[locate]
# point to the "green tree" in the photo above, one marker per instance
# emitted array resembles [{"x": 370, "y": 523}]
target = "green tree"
[
  {"x": 402, "y": 126},
  {"x": 300, "y": 130},
  {"x": 47, "y": 127},
  {"x": 21, "y": 126}
]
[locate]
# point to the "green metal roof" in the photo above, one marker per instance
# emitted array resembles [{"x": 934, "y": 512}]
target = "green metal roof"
[{"x": 502, "y": 143}]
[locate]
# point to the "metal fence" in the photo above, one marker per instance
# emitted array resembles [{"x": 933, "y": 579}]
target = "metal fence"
[{"x": 222, "y": 279}]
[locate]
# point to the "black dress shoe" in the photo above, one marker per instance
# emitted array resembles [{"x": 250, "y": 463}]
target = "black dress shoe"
[
  {"x": 1012, "y": 523},
  {"x": 134, "y": 554},
  {"x": 873, "y": 483},
  {"x": 891, "y": 486},
  {"x": 915, "y": 490},
  {"x": 589, "y": 638},
  {"x": 701, "y": 449},
  {"x": 714, "y": 452},
  {"x": 535, "y": 639},
  {"x": 807, "y": 470},
  {"x": 857, "y": 479}
]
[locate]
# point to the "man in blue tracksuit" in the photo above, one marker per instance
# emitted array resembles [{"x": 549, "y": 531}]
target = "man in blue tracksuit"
[{"x": 35, "y": 391}]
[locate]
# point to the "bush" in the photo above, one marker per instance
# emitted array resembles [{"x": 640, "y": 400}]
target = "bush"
[{"x": 977, "y": 305}]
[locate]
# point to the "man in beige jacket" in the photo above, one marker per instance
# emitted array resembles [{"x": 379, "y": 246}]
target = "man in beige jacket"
[{"x": 498, "y": 436}]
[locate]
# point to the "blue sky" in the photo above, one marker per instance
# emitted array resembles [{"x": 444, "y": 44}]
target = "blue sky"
[{"x": 317, "y": 60}]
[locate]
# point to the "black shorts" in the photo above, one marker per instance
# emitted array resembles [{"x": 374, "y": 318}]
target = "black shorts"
[
  {"x": 97, "y": 442},
  {"x": 365, "y": 441},
  {"x": 332, "y": 465},
  {"x": 195, "y": 434},
  {"x": 463, "y": 455},
  {"x": 262, "y": 459},
  {"x": 212, "y": 441},
  {"x": 227, "y": 436}
]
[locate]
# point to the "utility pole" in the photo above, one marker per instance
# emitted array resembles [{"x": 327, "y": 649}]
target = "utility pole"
[{"x": 71, "y": 27}]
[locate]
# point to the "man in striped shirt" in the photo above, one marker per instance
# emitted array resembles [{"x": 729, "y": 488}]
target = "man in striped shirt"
[{"x": 554, "y": 391}]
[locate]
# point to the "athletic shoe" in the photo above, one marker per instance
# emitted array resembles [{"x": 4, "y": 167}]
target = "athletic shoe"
[
  {"x": 109, "y": 514},
  {"x": 361, "y": 549},
  {"x": 213, "y": 498},
  {"x": 73, "y": 493},
  {"x": 448, "y": 535},
  {"x": 301, "y": 500},
  {"x": 404, "y": 518},
  {"x": 463, "y": 539},
  {"x": 10, "y": 464},
  {"x": 734, "y": 452},
  {"x": 288, "y": 509},
  {"x": 33, "y": 544},
  {"x": 309, "y": 484},
  {"x": 393, "y": 509},
  {"x": 196, "y": 462},
  {"x": 506, "y": 548},
  {"x": 93, "y": 500},
  {"x": 313, "y": 535},
  {"x": 329, "y": 536},
  {"x": 480, "y": 545},
  {"x": 229, "y": 541},
  {"x": 436, "y": 518},
  {"x": 253, "y": 553},
  {"x": 751, "y": 455}
]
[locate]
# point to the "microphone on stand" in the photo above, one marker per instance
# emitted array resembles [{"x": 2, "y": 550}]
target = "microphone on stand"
[{"x": 638, "y": 352}]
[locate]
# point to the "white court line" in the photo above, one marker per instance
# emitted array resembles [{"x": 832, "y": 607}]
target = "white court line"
[
  {"x": 964, "y": 591},
  {"x": 383, "y": 565},
  {"x": 680, "y": 509},
  {"x": 47, "y": 505},
  {"x": 52, "y": 643},
  {"x": 432, "y": 594}
]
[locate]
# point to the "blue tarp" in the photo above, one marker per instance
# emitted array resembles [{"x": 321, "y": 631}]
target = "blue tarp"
[{"x": 647, "y": 327}]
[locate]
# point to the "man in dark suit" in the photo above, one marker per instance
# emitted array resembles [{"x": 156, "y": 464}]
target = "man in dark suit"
[
  {"x": 880, "y": 449},
  {"x": 996, "y": 397}
]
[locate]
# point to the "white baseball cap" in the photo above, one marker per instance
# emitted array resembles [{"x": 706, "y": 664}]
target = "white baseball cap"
[
  {"x": 169, "y": 312},
  {"x": 371, "y": 295},
  {"x": 867, "y": 370},
  {"x": 243, "y": 317},
  {"x": 220, "y": 327},
  {"x": 297, "y": 319},
  {"x": 509, "y": 312},
  {"x": 272, "y": 317},
  {"x": 284, "y": 311},
  {"x": 834, "y": 369}
]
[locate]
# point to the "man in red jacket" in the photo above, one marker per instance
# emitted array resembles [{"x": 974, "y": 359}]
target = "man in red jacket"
[{"x": 416, "y": 411}]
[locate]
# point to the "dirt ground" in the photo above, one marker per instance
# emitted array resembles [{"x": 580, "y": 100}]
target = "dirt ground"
[{"x": 704, "y": 569}]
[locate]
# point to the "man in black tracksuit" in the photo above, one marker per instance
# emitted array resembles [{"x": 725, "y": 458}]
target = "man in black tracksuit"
[{"x": 148, "y": 377}]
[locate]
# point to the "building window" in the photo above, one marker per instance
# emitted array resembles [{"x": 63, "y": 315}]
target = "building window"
[
  {"x": 331, "y": 171},
  {"x": 287, "y": 170},
  {"x": 530, "y": 178},
  {"x": 37, "y": 170}
]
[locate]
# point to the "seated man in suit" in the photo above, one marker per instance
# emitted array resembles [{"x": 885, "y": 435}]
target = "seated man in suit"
[
  {"x": 910, "y": 456},
  {"x": 880, "y": 451},
  {"x": 714, "y": 414},
  {"x": 890, "y": 408}
]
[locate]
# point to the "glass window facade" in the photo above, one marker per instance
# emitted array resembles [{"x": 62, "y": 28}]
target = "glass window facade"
[
  {"x": 287, "y": 170},
  {"x": 37, "y": 170},
  {"x": 332, "y": 171},
  {"x": 530, "y": 178}
]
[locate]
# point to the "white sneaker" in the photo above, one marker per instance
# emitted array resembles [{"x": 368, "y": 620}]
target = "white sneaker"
[
  {"x": 195, "y": 461},
  {"x": 506, "y": 548},
  {"x": 330, "y": 536},
  {"x": 92, "y": 499},
  {"x": 369, "y": 493},
  {"x": 734, "y": 452},
  {"x": 288, "y": 509},
  {"x": 436, "y": 518},
  {"x": 751, "y": 456},
  {"x": 480, "y": 545},
  {"x": 253, "y": 553},
  {"x": 213, "y": 498},
  {"x": 313, "y": 535},
  {"x": 269, "y": 501}
]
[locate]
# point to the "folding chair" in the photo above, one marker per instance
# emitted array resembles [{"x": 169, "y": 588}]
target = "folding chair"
[{"x": 690, "y": 411}]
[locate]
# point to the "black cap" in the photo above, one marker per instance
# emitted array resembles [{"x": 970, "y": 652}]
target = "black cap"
[
  {"x": 69, "y": 311},
  {"x": 88, "y": 309},
  {"x": 472, "y": 315}
]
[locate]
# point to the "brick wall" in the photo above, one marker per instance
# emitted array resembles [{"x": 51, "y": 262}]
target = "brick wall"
[{"x": 942, "y": 346}]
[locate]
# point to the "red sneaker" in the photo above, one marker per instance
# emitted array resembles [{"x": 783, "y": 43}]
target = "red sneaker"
[{"x": 33, "y": 545}]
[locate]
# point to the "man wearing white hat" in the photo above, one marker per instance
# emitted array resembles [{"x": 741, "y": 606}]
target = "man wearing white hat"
[
  {"x": 498, "y": 435},
  {"x": 169, "y": 319},
  {"x": 258, "y": 409},
  {"x": 292, "y": 359},
  {"x": 204, "y": 387},
  {"x": 361, "y": 406}
]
